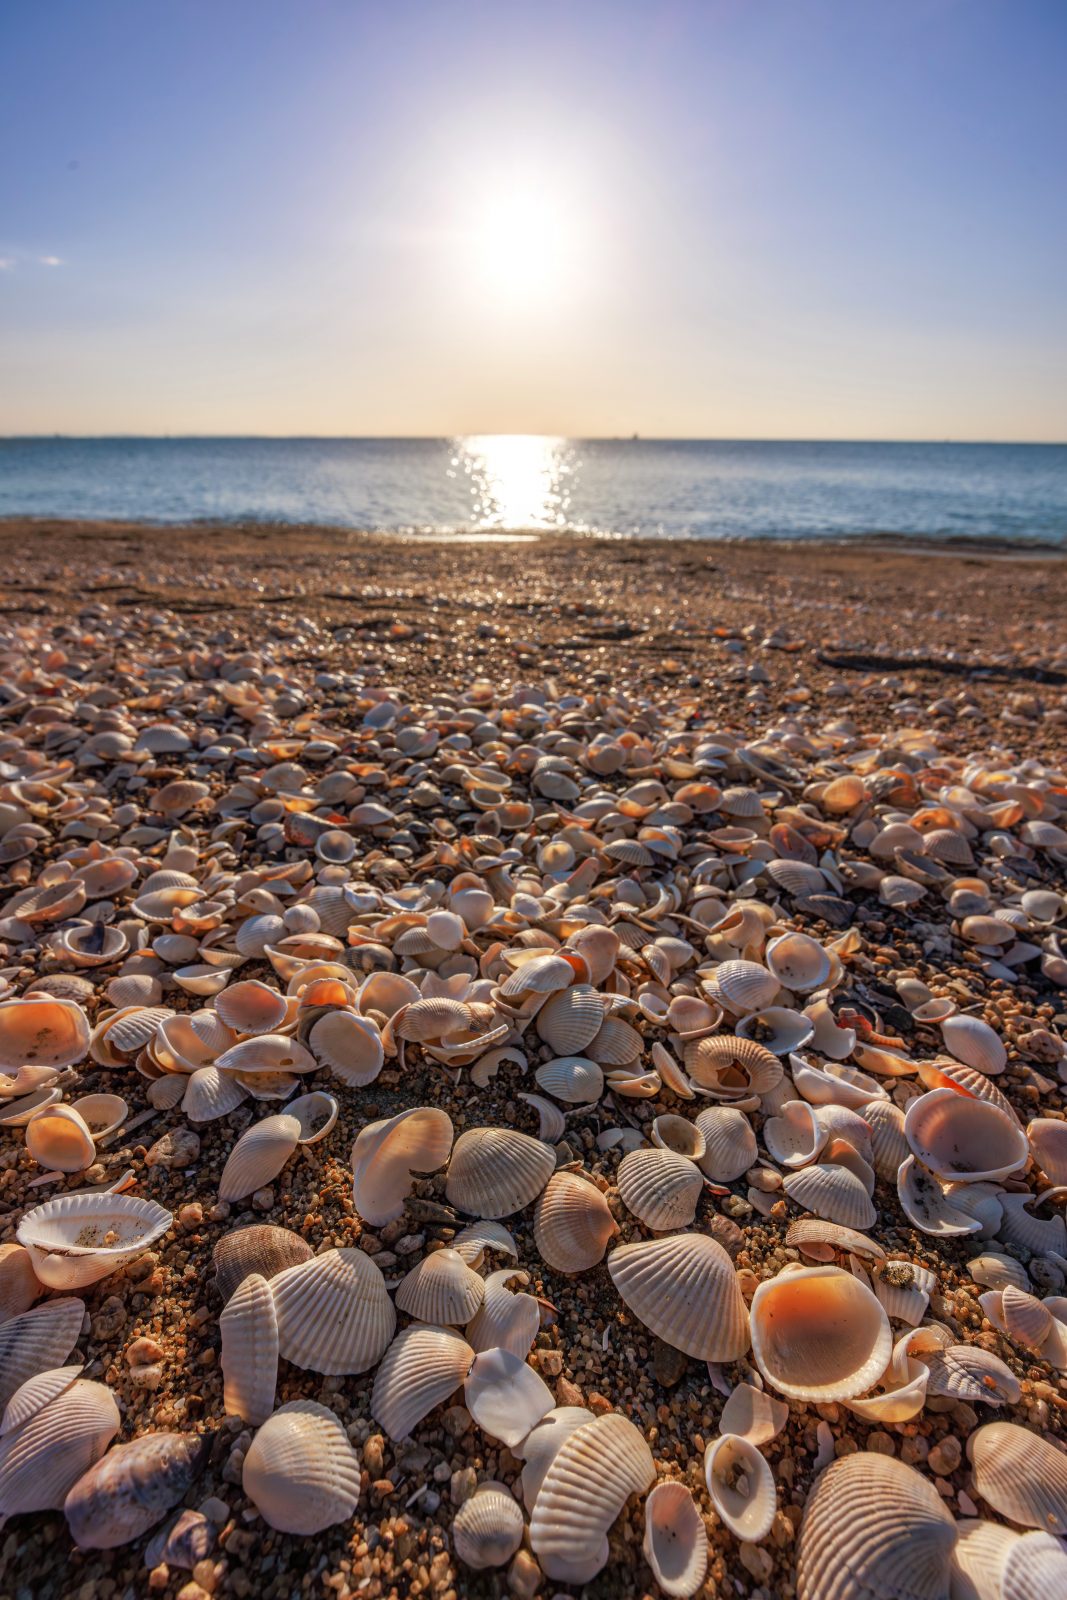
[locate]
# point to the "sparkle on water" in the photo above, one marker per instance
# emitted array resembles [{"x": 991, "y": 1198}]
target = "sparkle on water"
[{"x": 516, "y": 481}]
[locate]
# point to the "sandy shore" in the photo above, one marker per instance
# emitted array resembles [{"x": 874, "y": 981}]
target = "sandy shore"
[{"x": 969, "y": 643}]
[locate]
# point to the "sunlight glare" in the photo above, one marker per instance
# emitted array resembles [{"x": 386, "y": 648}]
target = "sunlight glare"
[
  {"x": 517, "y": 481},
  {"x": 523, "y": 246}
]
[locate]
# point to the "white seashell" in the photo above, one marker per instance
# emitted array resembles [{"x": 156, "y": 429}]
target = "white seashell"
[
  {"x": 131, "y": 1488},
  {"x": 78, "y": 1238},
  {"x": 495, "y": 1172},
  {"x": 835, "y": 1083},
  {"x": 997, "y": 1271},
  {"x": 16, "y": 1113},
  {"x": 962, "y": 1139},
  {"x": 1048, "y": 1146},
  {"x": 975, "y": 1043},
  {"x": 744, "y": 986},
  {"x": 41, "y": 1031},
  {"x": 730, "y": 1068},
  {"x": 925, "y": 1202},
  {"x": 19, "y": 1287},
  {"x": 570, "y": 1020},
  {"x": 260, "y": 1249},
  {"x": 617, "y": 1044},
  {"x": 488, "y": 1527},
  {"x": 795, "y": 1136},
  {"x": 350, "y": 1045},
  {"x": 164, "y": 1093},
  {"x": 537, "y": 972},
  {"x": 572, "y": 1223},
  {"x": 553, "y": 1124},
  {"x": 266, "y": 1052},
  {"x": 505, "y": 1397},
  {"x": 573, "y": 1079},
  {"x": 258, "y": 1156},
  {"x": 387, "y": 1154},
  {"x": 832, "y": 1192},
  {"x": 753, "y": 1414},
  {"x": 334, "y": 1312},
  {"x": 660, "y": 1188},
  {"x": 809, "y": 1233},
  {"x": 777, "y": 1028},
  {"x": 33, "y": 1395},
  {"x": 798, "y": 962},
  {"x": 741, "y": 1487},
  {"x": 316, "y": 1113},
  {"x": 1035, "y": 1568},
  {"x": 420, "y": 1370},
  {"x": 729, "y": 1143},
  {"x": 904, "y": 1289},
  {"x": 680, "y": 1135},
  {"x": 675, "y": 1543},
  {"x": 592, "y": 1475},
  {"x": 1019, "y": 1315},
  {"x": 967, "y": 1372},
  {"x": 101, "y": 1113},
  {"x": 473, "y": 1241},
  {"x": 889, "y": 1148},
  {"x": 828, "y": 1039},
  {"x": 1019, "y": 1226},
  {"x": 539, "y": 1448},
  {"x": 899, "y": 1395},
  {"x": 207, "y": 1093},
  {"x": 504, "y": 1320},
  {"x": 1020, "y": 1475},
  {"x": 300, "y": 1472},
  {"x": 42, "y": 1459},
  {"x": 441, "y": 1289},
  {"x": 60, "y": 1140},
  {"x": 249, "y": 1329},
  {"x": 251, "y": 1007},
  {"x": 684, "y": 1288},
  {"x": 818, "y": 1334},
  {"x": 36, "y": 1341},
  {"x": 979, "y": 1559}
]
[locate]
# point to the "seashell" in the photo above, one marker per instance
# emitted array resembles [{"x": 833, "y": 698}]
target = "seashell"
[
  {"x": 316, "y": 1113},
  {"x": 572, "y": 1223},
  {"x": 42, "y": 1032},
  {"x": 833, "y": 1193},
  {"x": 504, "y": 1320},
  {"x": 441, "y": 1289},
  {"x": 300, "y": 1472},
  {"x": 904, "y": 1289},
  {"x": 741, "y": 1487},
  {"x": 552, "y": 1124},
  {"x": 77, "y": 1239},
  {"x": 730, "y": 1144},
  {"x": 43, "y": 1457},
  {"x": 1019, "y": 1226},
  {"x": 975, "y": 1043},
  {"x": 36, "y": 1341},
  {"x": 19, "y": 1287},
  {"x": 266, "y": 1052},
  {"x": 1020, "y": 1475},
  {"x": 334, "y": 1312},
  {"x": 164, "y": 1093},
  {"x": 251, "y": 1007},
  {"x": 634, "y": 1085},
  {"x": 1048, "y": 1146},
  {"x": 505, "y": 1397},
  {"x": 873, "y": 1526},
  {"x": 899, "y": 1394},
  {"x": 473, "y": 1241},
  {"x": 261, "y": 1250},
  {"x": 834, "y": 1083},
  {"x": 1018, "y": 1314},
  {"x": 997, "y": 1271},
  {"x": 819, "y": 1334},
  {"x": 573, "y": 1079},
  {"x": 828, "y": 1038},
  {"x": 798, "y": 962},
  {"x": 730, "y": 1067},
  {"x": 60, "y": 1140},
  {"x": 809, "y": 1232},
  {"x": 675, "y": 1544},
  {"x": 680, "y": 1135},
  {"x": 101, "y": 1113},
  {"x": 926, "y": 1203},
  {"x": 963, "y": 1139},
  {"x": 537, "y": 972},
  {"x": 745, "y": 986},
  {"x": 495, "y": 1172},
  {"x": 258, "y": 1156},
  {"x": 16, "y": 1113},
  {"x": 249, "y": 1329},
  {"x": 207, "y": 1093},
  {"x": 488, "y": 1527},
  {"x": 539, "y": 1448},
  {"x": 33, "y": 1395},
  {"x": 350, "y": 1045},
  {"x": 967, "y": 1372},
  {"x": 794, "y": 1137},
  {"x": 889, "y": 1148},
  {"x": 684, "y": 1288},
  {"x": 570, "y": 1020},
  {"x": 660, "y": 1188},
  {"x": 616, "y": 1044},
  {"x": 797, "y": 877},
  {"x": 591, "y": 1476},
  {"x": 133, "y": 1487},
  {"x": 1034, "y": 1568},
  {"x": 753, "y": 1414},
  {"x": 777, "y": 1028},
  {"x": 420, "y": 1370},
  {"x": 387, "y": 1154},
  {"x": 201, "y": 979}
]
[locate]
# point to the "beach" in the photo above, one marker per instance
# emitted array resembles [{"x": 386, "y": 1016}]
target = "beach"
[{"x": 778, "y": 645}]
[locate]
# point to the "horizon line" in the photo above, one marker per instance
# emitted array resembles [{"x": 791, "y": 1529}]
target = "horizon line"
[{"x": 579, "y": 438}]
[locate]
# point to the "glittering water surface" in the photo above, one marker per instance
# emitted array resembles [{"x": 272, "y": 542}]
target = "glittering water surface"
[{"x": 491, "y": 486}]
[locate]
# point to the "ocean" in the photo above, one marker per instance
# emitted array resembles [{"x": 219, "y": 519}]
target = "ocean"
[{"x": 501, "y": 485}]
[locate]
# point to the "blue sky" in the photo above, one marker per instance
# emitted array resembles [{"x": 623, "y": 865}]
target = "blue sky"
[{"x": 815, "y": 218}]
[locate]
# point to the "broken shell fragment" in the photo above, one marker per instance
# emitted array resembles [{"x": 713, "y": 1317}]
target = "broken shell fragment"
[
  {"x": 387, "y": 1155},
  {"x": 249, "y": 1329},
  {"x": 505, "y": 1397},
  {"x": 422, "y": 1367},
  {"x": 592, "y": 1475}
]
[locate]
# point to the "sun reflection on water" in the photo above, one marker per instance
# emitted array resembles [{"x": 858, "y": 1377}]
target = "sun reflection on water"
[{"x": 517, "y": 482}]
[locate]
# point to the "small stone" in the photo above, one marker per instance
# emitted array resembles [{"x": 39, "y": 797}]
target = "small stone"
[
  {"x": 192, "y": 1215},
  {"x": 374, "y": 1455},
  {"x": 109, "y": 1320},
  {"x": 945, "y": 1457},
  {"x": 881, "y": 1444},
  {"x": 914, "y": 1450},
  {"x": 144, "y": 1352},
  {"x": 756, "y": 1561},
  {"x": 462, "y": 1486},
  {"x": 456, "y": 1421},
  {"x": 599, "y": 1404},
  {"x": 568, "y": 1394},
  {"x": 550, "y": 1362},
  {"x": 216, "y": 1511},
  {"x": 524, "y": 1575},
  {"x": 263, "y": 1200},
  {"x": 178, "y": 1148},
  {"x": 159, "y": 1576}
]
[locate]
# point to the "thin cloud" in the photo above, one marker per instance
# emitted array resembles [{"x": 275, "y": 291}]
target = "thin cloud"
[
  {"x": 50, "y": 261},
  {"x": 7, "y": 263}
]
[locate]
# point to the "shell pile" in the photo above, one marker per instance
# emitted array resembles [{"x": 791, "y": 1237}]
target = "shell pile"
[{"x": 561, "y": 1080}]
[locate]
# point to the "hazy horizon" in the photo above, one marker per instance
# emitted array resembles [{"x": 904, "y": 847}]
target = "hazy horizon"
[{"x": 574, "y": 438}]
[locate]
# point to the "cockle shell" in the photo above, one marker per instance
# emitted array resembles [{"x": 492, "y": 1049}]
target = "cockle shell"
[
  {"x": 810, "y": 1232},
  {"x": 660, "y": 1188},
  {"x": 350, "y": 1045},
  {"x": 684, "y": 1288},
  {"x": 249, "y": 1329},
  {"x": 1021, "y": 1475},
  {"x": 300, "y": 1472},
  {"x": 877, "y": 1528},
  {"x": 441, "y": 1289},
  {"x": 729, "y": 1143},
  {"x": 42, "y": 1031},
  {"x": 675, "y": 1544},
  {"x": 967, "y": 1372},
  {"x": 42, "y": 1458},
  {"x": 541, "y": 1445},
  {"x": 505, "y": 1320},
  {"x": 33, "y": 1395},
  {"x": 925, "y": 1203},
  {"x": 975, "y": 1043},
  {"x": 101, "y": 1113},
  {"x": 258, "y": 1156},
  {"x": 262, "y": 1249},
  {"x": 904, "y": 1289},
  {"x": 420, "y": 1370},
  {"x": 753, "y": 1414},
  {"x": 209, "y": 1094},
  {"x": 487, "y": 1529},
  {"x": 794, "y": 1137},
  {"x": 19, "y": 1287},
  {"x": 889, "y": 1147},
  {"x": 1018, "y": 1314},
  {"x": 592, "y": 1475},
  {"x": 818, "y": 1334},
  {"x": 1020, "y": 1226},
  {"x": 680, "y": 1135},
  {"x": 741, "y": 1487},
  {"x": 798, "y": 962},
  {"x": 251, "y": 1007},
  {"x": 387, "y": 1154},
  {"x": 997, "y": 1271},
  {"x": 78, "y": 1238},
  {"x": 473, "y": 1241},
  {"x": 1048, "y": 1146},
  {"x": 1034, "y": 1568},
  {"x": 505, "y": 1397},
  {"x": 574, "y": 1079},
  {"x": 495, "y": 1172},
  {"x": 572, "y": 1223},
  {"x": 334, "y": 1312},
  {"x": 744, "y": 986},
  {"x": 833, "y": 1193},
  {"x": 37, "y": 1340},
  {"x": 570, "y": 1020},
  {"x": 59, "y": 1138},
  {"x": 731, "y": 1068},
  {"x": 266, "y": 1052},
  {"x": 962, "y": 1139},
  {"x": 131, "y": 1488},
  {"x": 834, "y": 1083}
]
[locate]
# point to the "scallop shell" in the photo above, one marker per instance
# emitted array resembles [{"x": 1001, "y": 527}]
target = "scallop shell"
[
  {"x": 36, "y": 1341},
  {"x": 593, "y": 1473},
  {"x": 819, "y": 1334},
  {"x": 350, "y": 1045},
  {"x": 975, "y": 1043},
  {"x": 744, "y": 986},
  {"x": 207, "y": 1094},
  {"x": 251, "y": 1007},
  {"x": 249, "y": 1329},
  {"x": 962, "y": 1139},
  {"x": 441, "y": 1289},
  {"x": 968, "y": 1372},
  {"x": 300, "y": 1472},
  {"x": 570, "y": 1020},
  {"x": 660, "y": 1188},
  {"x": 78, "y": 1238},
  {"x": 1020, "y": 1475},
  {"x": 753, "y": 1414},
  {"x": 505, "y": 1397},
  {"x": 541, "y": 1445},
  {"x": 334, "y": 1312},
  {"x": 387, "y": 1154},
  {"x": 888, "y": 1145},
  {"x": 59, "y": 1138},
  {"x": 261, "y": 1250},
  {"x": 488, "y": 1527},
  {"x": 877, "y": 1528},
  {"x": 675, "y": 1544},
  {"x": 420, "y": 1370},
  {"x": 258, "y": 1156},
  {"x": 42, "y": 1031},
  {"x": 731, "y": 1068},
  {"x": 505, "y": 1321},
  {"x": 680, "y": 1135},
  {"x": 37, "y": 1392},
  {"x": 684, "y": 1288},
  {"x": 495, "y": 1172},
  {"x": 1048, "y": 1146},
  {"x": 741, "y": 1487},
  {"x": 833, "y": 1193},
  {"x": 573, "y": 1079},
  {"x": 19, "y": 1287},
  {"x": 473, "y": 1241},
  {"x": 729, "y": 1143},
  {"x": 904, "y": 1289},
  {"x": 1019, "y": 1226},
  {"x": 810, "y": 1231},
  {"x": 1035, "y": 1568},
  {"x": 997, "y": 1271},
  {"x": 43, "y": 1458},
  {"x": 131, "y": 1488},
  {"x": 572, "y": 1223}
]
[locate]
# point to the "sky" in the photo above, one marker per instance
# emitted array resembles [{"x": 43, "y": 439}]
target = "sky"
[{"x": 719, "y": 219}]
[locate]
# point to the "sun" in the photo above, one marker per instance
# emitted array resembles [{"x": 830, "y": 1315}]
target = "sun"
[{"x": 523, "y": 247}]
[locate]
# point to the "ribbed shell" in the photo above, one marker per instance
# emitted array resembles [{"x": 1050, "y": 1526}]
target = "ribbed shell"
[
  {"x": 660, "y": 1188},
  {"x": 684, "y": 1288},
  {"x": 996, "y": 1271},
  {"x": 961, "y": 1138},
  {"x": 300, "y": 1472},
  {"x": 572, "y": 1223},
  {"x": 904, "y": 1289},
  {"x": 441, "y": 1289},
  {"x": 476, "y": 1238},
  {"x": 617, "y": 1043},
  {"x": 1019, "y": 1226},
  {"x": 745, "y": 985},
  {"x": 262, "y": 1249},
  {"x": 1025, "y": 1318},
  {"x": 42, "y": 1460},
  {"x": 209, "y": 1093},
  {"x": 334, "y": 1312},
  {"x": 495, "y": 1172},
  {"x": 249, "y": 1329},
  {"x": 675, "y": 1544},
  {"x": 420, "y": 1370},
  {"x": 732, "y": 1067},
  {"x": 350, "y": 1046},
  {"x": 979, "y": 1559},
  {"x": 33, "y": 1395},
  {"x": 1048, "y": 1144},
  {"x": 1021, "y": 1476},
  {"x": 251, "y": 1007},
  {"x": 487, "y": 1529},
  {"x": 19, "y": 1287},
  {"x": 812, "y": 1230},
  {"x": 258, "y": 1156},
  {"x": 888, "y": 1144},
  {"x": 541, "y": 1445},
  {"x": 37, "y": 1341},
  {"x": 819, "y": 1334},
  {"x": 595, "y": 1471},
  {"x": 571, "y": 1019},
  {"x": 505, "y": 1320},
  {"x": 946, "y": 1074},
  {"x": 874, "y": 1529},
  {"x": 729, "y": 1143},
  {"x": 133, "y": 1487},
  {"x": 573, "y": 1079},
  {"x": 542, "y": 974},
  {"x": 833, "y": 1193},
  {"x": 741, "y": 1487},
  {"x": 1035, "y": 1568},
  {"x": 968, "y": 1372},
  {"x": 505, "y": 1397},
  {"x": 386, "y": 1154}
]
